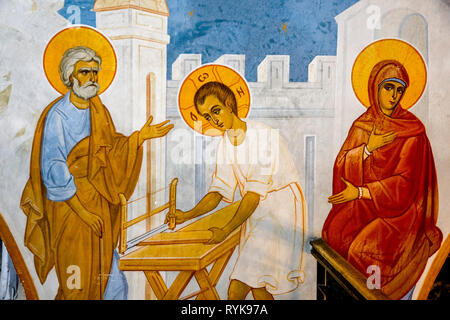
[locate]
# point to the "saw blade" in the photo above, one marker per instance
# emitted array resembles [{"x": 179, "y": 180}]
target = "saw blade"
[{"x": 132, "y": 243}]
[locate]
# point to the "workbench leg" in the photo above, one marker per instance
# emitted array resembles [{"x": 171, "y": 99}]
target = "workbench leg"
[
  {"x": 204, "y": 283},
  {"x": 216, "y": 271},
  {"x": 178, "y": 285},
  {"x": 157, "y": 283}
]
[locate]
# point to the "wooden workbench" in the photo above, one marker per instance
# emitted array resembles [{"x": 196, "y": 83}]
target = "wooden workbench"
[{"x": 190, "y": 259}]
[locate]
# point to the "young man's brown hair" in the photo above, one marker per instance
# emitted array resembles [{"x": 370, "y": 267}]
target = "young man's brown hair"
[{"x": 223, "y": 93}]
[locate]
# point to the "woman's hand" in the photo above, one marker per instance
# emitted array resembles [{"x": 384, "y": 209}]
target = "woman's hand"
[
  {"x": 377, "y": 141},
  {"x": 348, "y": 194},
  {"x": 218, "y": 235},
  {"x": 156, "y": 131}
]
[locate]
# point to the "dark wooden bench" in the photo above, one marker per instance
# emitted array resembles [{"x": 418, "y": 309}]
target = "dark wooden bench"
[{"x": 337, "y": 279}]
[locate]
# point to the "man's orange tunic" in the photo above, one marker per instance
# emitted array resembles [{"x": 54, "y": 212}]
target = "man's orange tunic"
[{"x": 103, "y": 165}]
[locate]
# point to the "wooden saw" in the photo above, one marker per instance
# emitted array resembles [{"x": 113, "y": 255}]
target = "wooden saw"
[{"x": 124, "y": 245}]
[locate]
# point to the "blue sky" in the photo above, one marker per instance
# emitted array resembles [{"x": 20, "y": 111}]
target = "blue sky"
[{"x": 250, "y": 27}]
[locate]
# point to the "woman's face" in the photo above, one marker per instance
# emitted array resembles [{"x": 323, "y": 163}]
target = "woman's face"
[
  {"x": 389, "y": 95},
  {"x": 216, "y": 113}
]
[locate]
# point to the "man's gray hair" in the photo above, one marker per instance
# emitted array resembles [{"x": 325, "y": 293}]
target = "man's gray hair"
[{"x": 71, "y": 57}]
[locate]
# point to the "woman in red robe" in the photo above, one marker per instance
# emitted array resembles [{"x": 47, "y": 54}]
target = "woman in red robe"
[{"x": 385, "y": 193}]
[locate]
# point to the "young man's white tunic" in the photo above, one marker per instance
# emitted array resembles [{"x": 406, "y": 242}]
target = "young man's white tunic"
[{"x": 273, "y": 237}]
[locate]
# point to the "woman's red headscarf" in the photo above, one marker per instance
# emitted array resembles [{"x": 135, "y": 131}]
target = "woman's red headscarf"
[{"x": 403, "y": 122}]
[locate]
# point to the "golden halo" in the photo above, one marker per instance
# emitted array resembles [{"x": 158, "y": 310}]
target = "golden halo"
[
  {"x": 75, "y": 36},
  {"x": 390, "y": 49},
  {"x": 200, "y": 76}
]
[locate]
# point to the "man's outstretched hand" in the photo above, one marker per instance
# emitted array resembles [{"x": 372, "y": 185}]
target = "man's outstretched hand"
[{"x": 149, "y": 131}]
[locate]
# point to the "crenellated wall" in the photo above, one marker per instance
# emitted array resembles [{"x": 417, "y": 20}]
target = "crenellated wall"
[{"x": 272, "y": 88}]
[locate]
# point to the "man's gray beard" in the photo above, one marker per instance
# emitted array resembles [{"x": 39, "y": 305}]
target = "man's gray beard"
[{"x": 86, "y": 91}]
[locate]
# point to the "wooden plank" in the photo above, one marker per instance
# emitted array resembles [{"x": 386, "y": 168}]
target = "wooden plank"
[
  {"x": 220, "y": 249},
  {"x": 159, "y": 264},
  {"x": 342, "y": 267},
  {"x": 157, "y": 283},
  {"x": 178, "y": 285},
  {"x": 188, "y": 258},
  {"x": 204, "y": 283},
  {"x": 217, "y": 270},
  {"x": 18, "y": 261},
  {"x": 123, "y": 220},
  {"x": 218, "y": 267},
  {"x": 196, "y": 293},
  {"x": 196, "y": 255},
  {"x": 179, "y": 237}
]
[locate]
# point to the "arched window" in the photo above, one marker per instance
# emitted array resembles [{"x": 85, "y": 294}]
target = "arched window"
[
  {"x": 411, "y": 26},
  {"x": 414, "y": 29}
]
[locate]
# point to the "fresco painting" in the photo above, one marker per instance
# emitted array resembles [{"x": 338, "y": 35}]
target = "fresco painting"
[{"x": 147, "y": 155}]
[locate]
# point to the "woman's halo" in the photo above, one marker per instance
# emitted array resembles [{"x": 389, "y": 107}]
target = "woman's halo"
[{"x": 390, "y": 49}]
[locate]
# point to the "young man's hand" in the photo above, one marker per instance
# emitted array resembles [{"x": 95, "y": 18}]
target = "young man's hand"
[
  {"x": 180, "y": 217},
  {"x": 218, "y": 235}
]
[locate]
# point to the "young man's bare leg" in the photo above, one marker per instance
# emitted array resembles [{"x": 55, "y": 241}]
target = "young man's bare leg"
[
  {"x": 238, "y": 290},
  {"x": 261, "y": 294}
]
